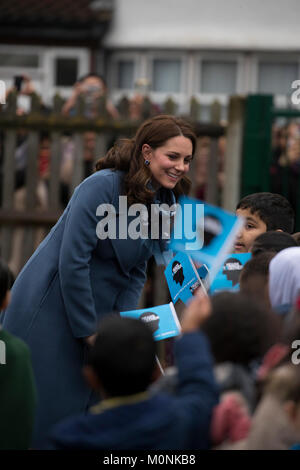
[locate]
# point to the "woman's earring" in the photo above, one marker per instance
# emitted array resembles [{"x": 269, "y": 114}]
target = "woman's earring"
[{"x": 147, "y": 162}]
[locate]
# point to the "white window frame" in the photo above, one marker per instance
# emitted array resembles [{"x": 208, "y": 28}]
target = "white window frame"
[
  {"x": 139, "y": 70},
  {"x": 35, "y": 73},
  {"x": 43, "y": 76},
  {"x": 180, "y": 97},
  {"x": 208, "y": 98},
  {"x": 51, "y": 54},
  {"x": 280, "y": 100}
]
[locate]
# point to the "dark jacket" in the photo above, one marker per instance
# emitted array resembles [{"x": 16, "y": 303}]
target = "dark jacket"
[
  {"x": 17, "y": 394},
  {"x": 158, "y": 422}
]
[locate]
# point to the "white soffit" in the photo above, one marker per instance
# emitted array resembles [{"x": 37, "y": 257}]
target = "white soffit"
[{"x": 229, "y": 24}]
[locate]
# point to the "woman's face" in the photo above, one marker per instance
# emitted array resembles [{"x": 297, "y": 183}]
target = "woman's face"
[{"x": 170, "y": 162}]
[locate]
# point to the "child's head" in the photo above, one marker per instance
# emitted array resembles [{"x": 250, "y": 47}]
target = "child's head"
[
  {"x": 291, "y": 325},
  {"x": 254, "y": 278},
  {"x": 238, "y": 329},
  {"x": 6, "y": 282},
  {"x": 284, "y": 279},
  {"x": 296, "y": 237},
  {"x": 122, "y": 360},
  {"x": 283, "y": 384},
  {"x": 263, "y": 212},
  {"x": 273, "y": 241}
]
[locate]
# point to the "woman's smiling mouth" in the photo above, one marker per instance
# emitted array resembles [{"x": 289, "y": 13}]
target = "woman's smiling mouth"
[{"x": 173, "y": 175}]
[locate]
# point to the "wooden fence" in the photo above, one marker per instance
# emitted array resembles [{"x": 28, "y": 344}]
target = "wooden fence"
[{"x": 23, "y": 220}]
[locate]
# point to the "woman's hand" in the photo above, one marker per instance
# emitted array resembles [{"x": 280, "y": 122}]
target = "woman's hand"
[{"x": 90, "y": 339}]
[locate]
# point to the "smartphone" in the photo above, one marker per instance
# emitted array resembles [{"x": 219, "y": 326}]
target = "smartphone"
[{"x": 18, "y": 80}]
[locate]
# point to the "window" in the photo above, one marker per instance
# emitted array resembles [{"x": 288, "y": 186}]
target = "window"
[
  {"x": 125, "y": 75},
  {"x": 19, "y": 60},
  {"x": 218, "y": 77},
  {"x": 166, "y": 75},
  {"x": 276, "y": 78},
  {"x": 66, "y": 71}
]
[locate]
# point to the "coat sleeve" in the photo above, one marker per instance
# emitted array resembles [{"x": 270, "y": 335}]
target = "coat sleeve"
[
  {"x": 198, "y": 392},
  {"x": 79, "y": 241},
  {"x": 128, "y": 300}
]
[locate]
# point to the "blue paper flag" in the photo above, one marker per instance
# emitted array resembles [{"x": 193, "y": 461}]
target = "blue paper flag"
[
  {"x": 205, "y": 232},
  {"x": 229, "y": 274},
  {"x": 162, "y": 320},
  {"x": 182, "y": 277}
]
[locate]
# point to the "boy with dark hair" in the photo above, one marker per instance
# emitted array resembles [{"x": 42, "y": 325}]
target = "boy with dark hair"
[
  {"x": 134, "y": 345},
  {"x": 273, "y": 242},
  {"x": 121, "y": 366},
  {"x": 239, "y": 330},
  {"x": 254, "y": 278},
  {"x": 263, "y": 212},
  {"x": 240, "y": 333}
]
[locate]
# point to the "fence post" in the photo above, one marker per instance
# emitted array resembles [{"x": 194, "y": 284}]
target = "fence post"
[
  {"x": 102, "y": 138},
  {"x": 212, "y": 192},
  {"x": 146, "y": 107},
  {"x": 257, "y": 144},
  {"x": 215, "y": 112},
  {"x": 78, "y": 170},
  {"x": 9, "y": 157},
  {"x": 233, "y": 155},
  {"x": 8, "y": 176},
  {"x": 31, "y": 180},
  {"x": 101, "y": 108},
  {"x": 56, "y": 158},
  {"x": 100, "y": 146},
  {"x": 170, "y": 106},
  {"x": 194, "y": 108},
  {"x": 123, "y": 107}
]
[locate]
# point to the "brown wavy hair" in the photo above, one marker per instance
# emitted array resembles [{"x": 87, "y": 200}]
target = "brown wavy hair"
[{"x": 126, "y": 155}]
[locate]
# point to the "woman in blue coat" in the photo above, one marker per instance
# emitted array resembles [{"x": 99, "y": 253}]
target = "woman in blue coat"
[{"x": 77, "y": 275}]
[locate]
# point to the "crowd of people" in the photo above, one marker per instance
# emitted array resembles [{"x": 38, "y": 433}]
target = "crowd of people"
[
  {"x": 85, "y": 100},
  {"x": 90, "y": 379}
]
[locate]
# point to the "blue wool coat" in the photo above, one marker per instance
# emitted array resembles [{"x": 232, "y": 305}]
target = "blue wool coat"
[{"x": 73, "y": 279}]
